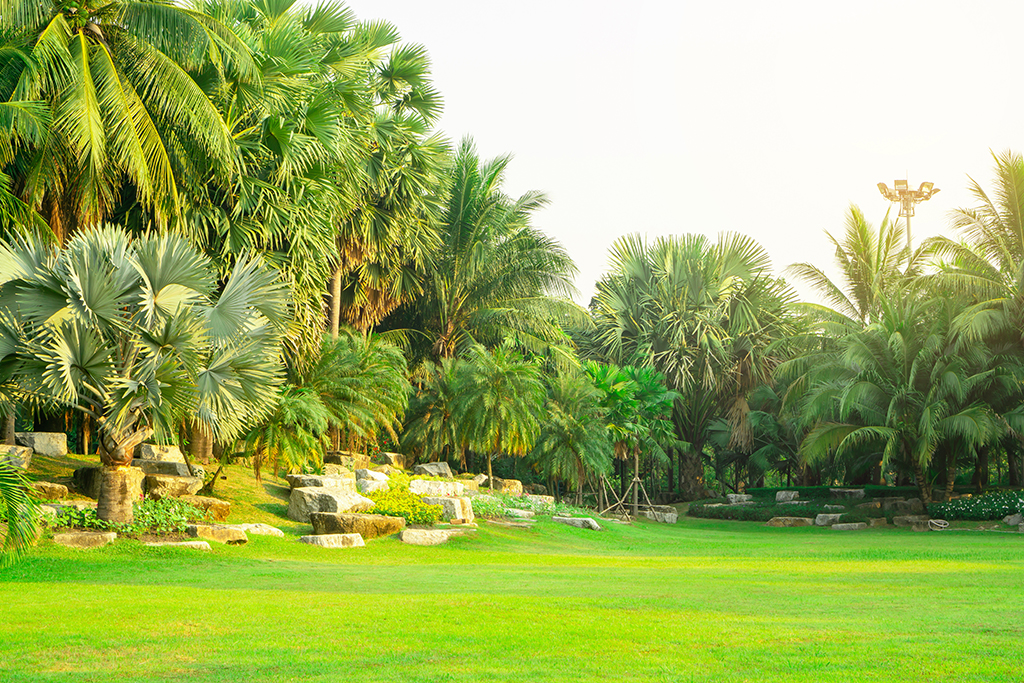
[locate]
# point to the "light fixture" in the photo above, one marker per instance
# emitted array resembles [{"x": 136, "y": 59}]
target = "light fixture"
[{"x": 907, "y": 198}]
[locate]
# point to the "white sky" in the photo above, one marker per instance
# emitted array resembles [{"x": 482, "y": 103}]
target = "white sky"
[{"x": 767, "y": 118}]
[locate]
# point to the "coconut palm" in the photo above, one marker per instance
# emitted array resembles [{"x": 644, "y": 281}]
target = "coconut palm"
[
  {"x": 498, "y": 403},
  {"x": 124, "y": 108},
  {"x": 135, "y": 335}
]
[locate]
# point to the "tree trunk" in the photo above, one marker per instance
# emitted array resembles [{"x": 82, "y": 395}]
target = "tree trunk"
[
  {"x": 490, "y": 475},
  {"x": 922, "y": 482},
  {"x": 950, "y": 472},
  {"x": 980, "y": 479},
  {"x": 335, "y": 322},
  {"x": 691, "y": 477},
  {"x": 120, "y": 487},
  {"x": 86, "y": 434},
  {"x": 201, "y": 444},
  {"x": 1013, "y": 465},
  {"x": 8, "y": 432}
]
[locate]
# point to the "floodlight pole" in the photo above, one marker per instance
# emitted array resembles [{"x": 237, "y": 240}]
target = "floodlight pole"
[{"x": 907, "y": 198}]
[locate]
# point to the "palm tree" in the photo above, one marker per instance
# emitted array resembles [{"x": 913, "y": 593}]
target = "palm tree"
[
  {"x": 431, "y": 428},
  {"x": 18, "y": 516},
  {"x": 134, "y": 335},
  {"x": 124, "y": 109},
  {"x": 498, "y": 403}
]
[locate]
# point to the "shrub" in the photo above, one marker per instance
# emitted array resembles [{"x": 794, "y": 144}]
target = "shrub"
[
  {"x": 400, "y": 502},
  {"x": 490, "y": 506},
  {"x": 762, "y": 512},
  {"x": 991, "y": 506},
  {"x": 164, "y": 516}
]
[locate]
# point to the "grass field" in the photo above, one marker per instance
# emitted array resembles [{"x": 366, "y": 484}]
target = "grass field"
[{"x": 703, "y": 600}]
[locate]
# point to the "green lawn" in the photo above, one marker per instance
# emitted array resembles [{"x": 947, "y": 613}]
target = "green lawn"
[{"x": 703, "y": 600}]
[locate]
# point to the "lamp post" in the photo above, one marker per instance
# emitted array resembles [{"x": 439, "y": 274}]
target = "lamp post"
[{"x": 907, "y": 198}]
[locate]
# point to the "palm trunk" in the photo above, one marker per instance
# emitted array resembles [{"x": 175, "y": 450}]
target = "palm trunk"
[
  {"x": 201, "y": 444},
  {"x": 8, "y": 432},
  {"x": 120, "y": 485},
  {"x": 950, "y": 472},
  {"x": 490, "y": 475},
  {"x": 980, "y": 479},
  {"x": 922, "y": 482}
]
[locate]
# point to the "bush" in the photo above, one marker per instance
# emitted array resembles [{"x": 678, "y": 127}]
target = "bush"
[
  {"x": 489, "y": 506},
  {"x": 164, "y": 516},
  {"x": 400, "y": 502},
  {"x": 763, "y": 511},
  {"x": 992, "y": 506}
]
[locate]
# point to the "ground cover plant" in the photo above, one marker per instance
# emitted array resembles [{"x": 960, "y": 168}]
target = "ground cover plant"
[{"x": 988, "y": 507}]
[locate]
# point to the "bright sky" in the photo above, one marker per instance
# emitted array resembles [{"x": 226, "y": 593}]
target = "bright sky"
[{"x": 767, "y": 118}]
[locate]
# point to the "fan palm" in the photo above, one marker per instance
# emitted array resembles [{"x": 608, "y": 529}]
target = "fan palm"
[{"x": 134, "y": 335}]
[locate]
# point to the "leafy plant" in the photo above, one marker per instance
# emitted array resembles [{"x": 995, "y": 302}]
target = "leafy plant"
[
  {"x": 988, "y": 507},
  {"x": 400, "y": 502},
  {"x": 164, "y": 516}
]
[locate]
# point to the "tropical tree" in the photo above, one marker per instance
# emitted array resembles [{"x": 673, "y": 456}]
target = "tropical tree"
[
  {"x": 499, "y": 403},
  {"x": 431, "y": 427},
  {"x": 18, "y": 516},
  {"x": 135, "y": 335}
]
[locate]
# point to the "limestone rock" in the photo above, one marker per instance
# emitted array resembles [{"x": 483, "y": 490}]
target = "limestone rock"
[
  {"x": 296, "y": 481},
  {"x": 44, "y": 443},
  {"x": 194, "y": 545},
  {"x": 479, "y": 480},
  {"x": 427, "y": 487},
  {"x": 372, "y": 475},
  {"x": 850, "y": 526},
  {"x": 305, "y": 500},
  {"x": 166, "y": 486},
  {"x": 332, "y": 470},
  {"x": 827, "y": 519},
  {"x": 434, "y": 469},
  {"x": 368, "y": 486},
  {"x": 835, "y": 507},
  {"x": 889, "y": 503},
  {"x": 148, "y": 451},
  {"x": 920, "y": 526},
  {"x": 396, "y": 460},
  {"x": 452, "y": 509},
  {"x": 910, "y": 520},
  {"x": 85, "y": 539},
  {"x": 1013, "y": 520},
  {"x": 847, "y": 493},
  {"x": 914, "y": 506},
  {"x": 215, "y": 532},
  {"x": 733, "y": 498},
  {"x": 257, "y": 529},
  {"x": 367, "y": 526},
  {"x": 540, "y": 500},
  {"x": 579, "y": 522},
  {"x": 424, "y": 536},
  {"x": 789, "y": 521},
  {"x": 535, "y": 489},
  {"x": 878, "y": 521},
  {"x": 510, "y": 487},
  {"x": 18, "y": 456},
  {"x": 786, "y": 496},
  {"x": 387, "y": 470},
  {"x": 512, "y": 512},
  {"x": 217, "y": 509},
  {"x": 47, "y": 490},
  {"x": 791, "y": 502},
  {"x": 874, "y": 505},
  {"x": 666, "y": 514},
  {"x": 168, "y": 468},
  {"x": 352, "y": 461},
  {"x": 334, "y": 540},
  {"x": 1020, "y": 528}
]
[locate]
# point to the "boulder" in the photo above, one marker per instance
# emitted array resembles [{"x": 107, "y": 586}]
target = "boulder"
[
  {"x": 522, "y": 514},
  {"x": 53, "y": 444},
  {"x": 786, "y": 496},
  {"x": 214, "y": 532},
  {"x": 47, "y": 490},
  {"x": 434, "y": 469},
  {"x": 368, "y": 486},
  {"x": 148, "y": 451},
  {"x": 452, "y": 509},
  {"x": 847, "y": 493},
  {"x": 305, "y": 500},
  {"x": 427, "y": 487},
  {"x": 48, "y": 513},
  {"x": 878, "y": 521},
  {"x": 1020, "y": 528},
  {"x": 914, "y": 506},
  {"x": 540, "y": 500},
  {"x": 424, "y": 536},
  {"x": 1013, "y": 520},
  {"x": 479, "y": 480},
  {"x": 338, "y": 471},
  {"x": 257, "y": 529},
  {"x": 910, "y": 520},
  {"x": 166, "y": 486},
  {"x": 535, "y": 489},
  {"x": 352, "y": 461},
  {"x": 920, "y": 526},
  {"x": 334, "y": 540},
  {"x": 789, "y": 521},
  {"x": 874, "y": 505},
  {"x": 168, "y": 468},
  {"x": 396, "y": 460},
  {"x": 835, "y": 507},
  {"x": 733, "y": 498},
  {"x": 387, "y": 470},
  {"x": 827, "y": 519},
  {"x": 666, "y": 514},
  {"x": 371, "y": 475},
  {"x": 85, "y": 539},
  {"x": 791, "y": 502},
  {"x": 194, "y": 545},
  {"x": 579, "y": 522},
  {"x": 850, "y": 526},
  {"x": 367, "y": 526},
  {"x": 215, "y": 507},
  {"x": 18, "y": 456},
  {"x": 510, "y": 487},
  {"x": 296, "y": 481},
  {"x": 889, "y": 503}
]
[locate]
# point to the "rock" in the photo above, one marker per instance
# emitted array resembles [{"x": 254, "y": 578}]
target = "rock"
[
  {"x": 1020, "y": 528},
  {"x": 85, "y": 539},
  {"x": 148, "y": 451},
  {"x": 790, "y": 502},
  {"x": 786, "y": 496},
  {"x": 434, "y": 469},
  {"x": 789, "y": 521},
  {"x": 540, "y": 500},
  {"x": 835, "y": 507},
  {"x": 424, "y": 536},
  {"x": 826, "y": 519},
  {"x": 889, "y": 504},
  {"x": 18, "y": 456},
  {"x": 296, "y": 481},
  {"x": 48, "y": 512},
  {"x": 367, "y": 526},
  {"x": 334, "y": 540},
  {"x": 367, "y": 486},
  {"x": 847, "y": 493},
  {"x": 733, "y": 498},
  {"x": 372, "y": 475},
  {"x": 47, "y": 490},
  {"x": 579, "y": 522},
  {"x": 257, "y": 529},
  {"x": 920, "y": 526},
  {"x": 512, "y": 512},
  {"x": 396, "y": 460},
  {"x": 535, "y": 489},
  {"x": 168, "y": 468},
  {"x": 305, "y": 500},
  {"x": 331, "y": 470},
  {"x": 479, "y": 480},
  {"x": 850, "y": 526},
  {"x": 910, "y": 520},
  {"x": 166, "y": 486},
  {"x": 521, "y": 524},
  {"x": 53, "y": 444},
  {"x": 510, "y": 487},
  {"x": 452, "y": 509},
  {"x": 352, "y": 461},
  {"x": 215, "y": 532},
  {"x": 387, "y": 470},
  {"x": 73, "y": 505},
  {"x": 88, "y": 480},
  {"x": 875, "y": 505},
  {"x": 666, "y": 514},
  {"x": 217, "y": 509},
  {"x": 914, "y": 506},
  {"x": 194, "y": 545},
  {"x": 878, "y": 521},
  {"x": 426, "y": 487},
  {"x": 1013, "y": 520}
]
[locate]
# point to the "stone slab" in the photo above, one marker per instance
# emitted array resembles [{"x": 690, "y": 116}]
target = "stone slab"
[
  {"x": 257, "y": 529},
  {"x": 850, "y": 526},
  {"x": 1014, "y": 519},
  {"x": 194, "y": 545},
  {"x": 228, "y": 535},
  {"x": 579, "y": 522},
  {"x": 786, "y": 496},
  {"x": 733, "y": 498},
  {"x": 452, "y": 508},
  {"x": 372, "y": 475},
  {"x": 367, "y": 526},
  {"x": 661, "y": 516},
  {"x": 427, "y": 487},
  {"x": 168, "y": 486},
  {"x": 85, "y": 539},
  {"x": 215, "y": 507},
  {"x": 789, "y": 521},
  {"x": 47, "y": 490},
  {"x": 351, "y": 461},
  {"x": 847, "y": 493},
  {"x": 513, "y": 512},
  {"x": 53, "y": 444},
  {"x": 434, "y": 469},
  {"x": 368, "y": 486},
  {"x": 909, "y": 520},
  {"x": 827, "y": 519},
  {"x": 424, "y": 536},
  {"x": 878, "y": 521},
  {"x": 396, "y": 460},
  {"x": 297, "y": 481},
  {"x": 153, "y": 452},
  {"x": 334, "y": 540},
  {"x": 305, "y": 500}
]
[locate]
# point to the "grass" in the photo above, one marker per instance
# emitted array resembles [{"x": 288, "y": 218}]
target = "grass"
[{"x": 703, "y": 600}]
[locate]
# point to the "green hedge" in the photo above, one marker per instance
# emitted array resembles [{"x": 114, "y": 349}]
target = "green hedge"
[
  {"x": 992, "y": 506},
  {"x": 813, "y": 492},
  {"x": 763, "y": 511}
]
